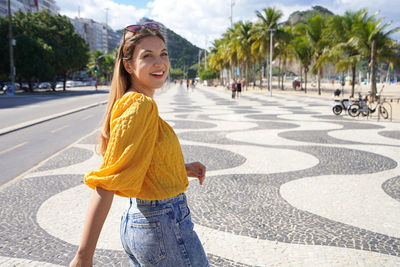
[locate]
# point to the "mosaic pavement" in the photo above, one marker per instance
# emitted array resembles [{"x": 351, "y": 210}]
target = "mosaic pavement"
[{"x": 288, "y": 184}]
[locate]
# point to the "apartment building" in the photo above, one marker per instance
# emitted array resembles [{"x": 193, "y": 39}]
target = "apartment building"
[{"x": 28, "y": 6}]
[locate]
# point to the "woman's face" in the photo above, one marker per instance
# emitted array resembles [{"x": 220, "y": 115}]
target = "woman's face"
[{"x": 149, "y": 65}]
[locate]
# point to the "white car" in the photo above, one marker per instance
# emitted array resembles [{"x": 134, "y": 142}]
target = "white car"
[{"x": 45, "y": 85}]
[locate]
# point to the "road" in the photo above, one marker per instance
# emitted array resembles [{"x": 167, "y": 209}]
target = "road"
[
  {"x": 287, "y": 184},
  {"x": 25, "y": 148}
]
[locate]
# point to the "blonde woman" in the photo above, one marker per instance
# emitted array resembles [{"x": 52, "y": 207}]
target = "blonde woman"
[{"x": 142, "y": 161}]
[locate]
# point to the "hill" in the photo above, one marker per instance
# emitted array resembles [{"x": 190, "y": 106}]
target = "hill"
[
  {"x": 303, "y": 16},
  {"x": 181, "y": 52}
]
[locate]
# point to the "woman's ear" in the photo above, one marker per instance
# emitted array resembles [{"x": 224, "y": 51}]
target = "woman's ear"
[{"x": 128, "y": 66}]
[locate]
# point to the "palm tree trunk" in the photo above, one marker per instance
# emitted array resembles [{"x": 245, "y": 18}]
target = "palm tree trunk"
[
  {"x": 284, "y": 74},
  {"x": 353, "y": 70},
  {"x": 65, "y": 80},
  {"x": 279, "y": 74},
  {"x": 373, "y": 69},
  {"x": 261, "y": 73},
  {"x": 305, "y": 79},
  {"x": 319, "y": 80},
  {"x": 246, "y": 76},
  {"x": 267, "y": 70},
  {"x": 301, "y": 77}
]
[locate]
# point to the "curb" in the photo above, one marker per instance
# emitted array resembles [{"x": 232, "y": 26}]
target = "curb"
[{"x": 48, "y": 118}]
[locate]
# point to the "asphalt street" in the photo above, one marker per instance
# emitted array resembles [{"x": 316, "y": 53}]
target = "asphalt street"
[
  {"x": 29, "y": 145},
  {"x": 288, "y": 184}
]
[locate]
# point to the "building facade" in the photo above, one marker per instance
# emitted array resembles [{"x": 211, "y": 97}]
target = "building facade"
[
  {"x": 28, "y": 6},
  {"x": 98, "y": 35}
]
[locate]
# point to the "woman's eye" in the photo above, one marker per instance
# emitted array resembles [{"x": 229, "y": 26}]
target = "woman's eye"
[
  {"x": 164, "y": 54},
  {"x": 147, "y": 55}
]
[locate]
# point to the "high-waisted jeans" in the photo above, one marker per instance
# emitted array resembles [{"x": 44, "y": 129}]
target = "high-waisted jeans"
[{"x": 160, "y": 233}]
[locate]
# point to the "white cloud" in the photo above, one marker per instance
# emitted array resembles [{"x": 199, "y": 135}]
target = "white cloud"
[
  {"x": 119, "y": 15},
  {"x": 201, "y": 20},
  {"x": 197, "y": 21}
]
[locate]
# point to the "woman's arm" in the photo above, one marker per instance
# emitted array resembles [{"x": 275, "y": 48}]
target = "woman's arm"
[
  {"x": 99, "y": 207},
  {"x": 196, "y": 169}
]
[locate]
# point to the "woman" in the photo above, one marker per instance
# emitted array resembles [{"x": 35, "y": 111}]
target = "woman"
[{"x": 142, "y": 160}]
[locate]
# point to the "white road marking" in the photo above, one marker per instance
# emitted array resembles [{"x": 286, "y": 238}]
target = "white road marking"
[
  {"x": 12, "y": 148},
  {"x": 59, "y": 129}
]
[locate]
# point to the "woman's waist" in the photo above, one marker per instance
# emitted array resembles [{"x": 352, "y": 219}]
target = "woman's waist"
[{"x": 144, "y": 202}]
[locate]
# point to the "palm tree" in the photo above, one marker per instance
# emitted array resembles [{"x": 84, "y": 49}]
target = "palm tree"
[
  {"x": 268, "y": 20},
  {"x": 284, "y": 50},
  {"x": 243, "y": 43},
  {"x": 229, "y": 51},
  {"x": 374, "y": 43},
  {"x": 343, "y": 52},
  {"x": 215, "y": 60},
  {"x": 316, "y": 32},
  {"x": 304, "y": 52}
]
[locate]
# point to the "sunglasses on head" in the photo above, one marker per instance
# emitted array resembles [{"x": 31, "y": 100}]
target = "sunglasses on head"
[{"x": 136, "y": 28}]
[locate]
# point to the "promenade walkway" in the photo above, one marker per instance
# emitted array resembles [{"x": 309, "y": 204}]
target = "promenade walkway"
[{"x": 288, "y": 184}]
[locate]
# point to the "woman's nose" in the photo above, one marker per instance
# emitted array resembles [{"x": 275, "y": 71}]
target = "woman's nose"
[{"x": 158, "y": 61}]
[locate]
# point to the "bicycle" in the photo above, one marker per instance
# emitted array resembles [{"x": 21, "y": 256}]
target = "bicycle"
[{"x": 365, "y": 107}]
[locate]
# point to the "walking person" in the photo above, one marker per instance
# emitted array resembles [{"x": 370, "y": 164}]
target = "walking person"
[
  {"x": 142, "y": 161},
  {"x": 238, "y": 89},
  {"x": 233, "y": 88}
]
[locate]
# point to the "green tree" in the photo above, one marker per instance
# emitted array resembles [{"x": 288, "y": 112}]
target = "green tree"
[
  {"x": 373, "y": 40},
  {"x": 176, "y": 74},
  {"x": 216, "y": 62},
  {"x": 62, "y": 49},
  {"x": 342, "y": 52},
  {"x": 316, "y": 31},
  {"x": 304, "y": 53},
  {"x": 208, "y": 75},
  {"x": 29, "y": 55},
  {"x": 4, "y": 49},
  {"x": 243, "y": 44},
  {"x": 284, "y": 50},
  {"x": 267, "y": 20}
]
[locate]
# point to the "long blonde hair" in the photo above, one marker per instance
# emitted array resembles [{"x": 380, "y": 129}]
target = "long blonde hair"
[{"x": 121, "y": 80}]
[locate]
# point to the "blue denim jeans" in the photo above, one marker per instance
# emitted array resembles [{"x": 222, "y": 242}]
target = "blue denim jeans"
[{"x": 160, "y": 233}]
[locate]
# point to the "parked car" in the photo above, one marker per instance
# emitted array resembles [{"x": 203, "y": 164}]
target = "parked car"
[
  {"x": 60, "y": 85},
  {"x": 45, "y": 85},
  {"x": 25, "y": 86},
  {"x": 70, "y": 84}
]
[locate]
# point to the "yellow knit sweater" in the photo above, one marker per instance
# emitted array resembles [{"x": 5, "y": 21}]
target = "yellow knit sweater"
[{"x": 143, "y": 157}]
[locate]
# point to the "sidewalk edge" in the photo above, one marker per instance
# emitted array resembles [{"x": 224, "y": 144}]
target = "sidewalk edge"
[{"x": 48, "y": 118}]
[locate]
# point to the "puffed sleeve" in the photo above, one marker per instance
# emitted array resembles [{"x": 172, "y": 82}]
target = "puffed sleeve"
[{"x": 133, "y": 133}]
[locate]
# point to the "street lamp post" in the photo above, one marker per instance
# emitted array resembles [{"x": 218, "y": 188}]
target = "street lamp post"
[
  {"x": 271, "y": 32},
  {"x": 10, "y": 36},
  {"x": 231, "y": 17}
]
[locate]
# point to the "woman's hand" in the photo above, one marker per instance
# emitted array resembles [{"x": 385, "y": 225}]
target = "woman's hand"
[
  {"x": 196, "y": 169},
  {"x": 79, "y": 262}
]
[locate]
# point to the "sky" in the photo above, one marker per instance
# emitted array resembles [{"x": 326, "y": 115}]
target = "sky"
[{"x": 202, "y": 21}]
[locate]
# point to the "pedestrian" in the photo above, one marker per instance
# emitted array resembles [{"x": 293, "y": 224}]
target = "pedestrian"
[
  {"x": 187, "y": 85},
  {"x": 142, "y": 161},
  {"x": 238, "y": 89},
  {"x": 233, "y": 88}
]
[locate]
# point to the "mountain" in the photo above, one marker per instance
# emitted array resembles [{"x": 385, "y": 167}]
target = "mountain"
[
  {"x": 302, "y": 16},
  {"x": 181, "y": 52}
]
